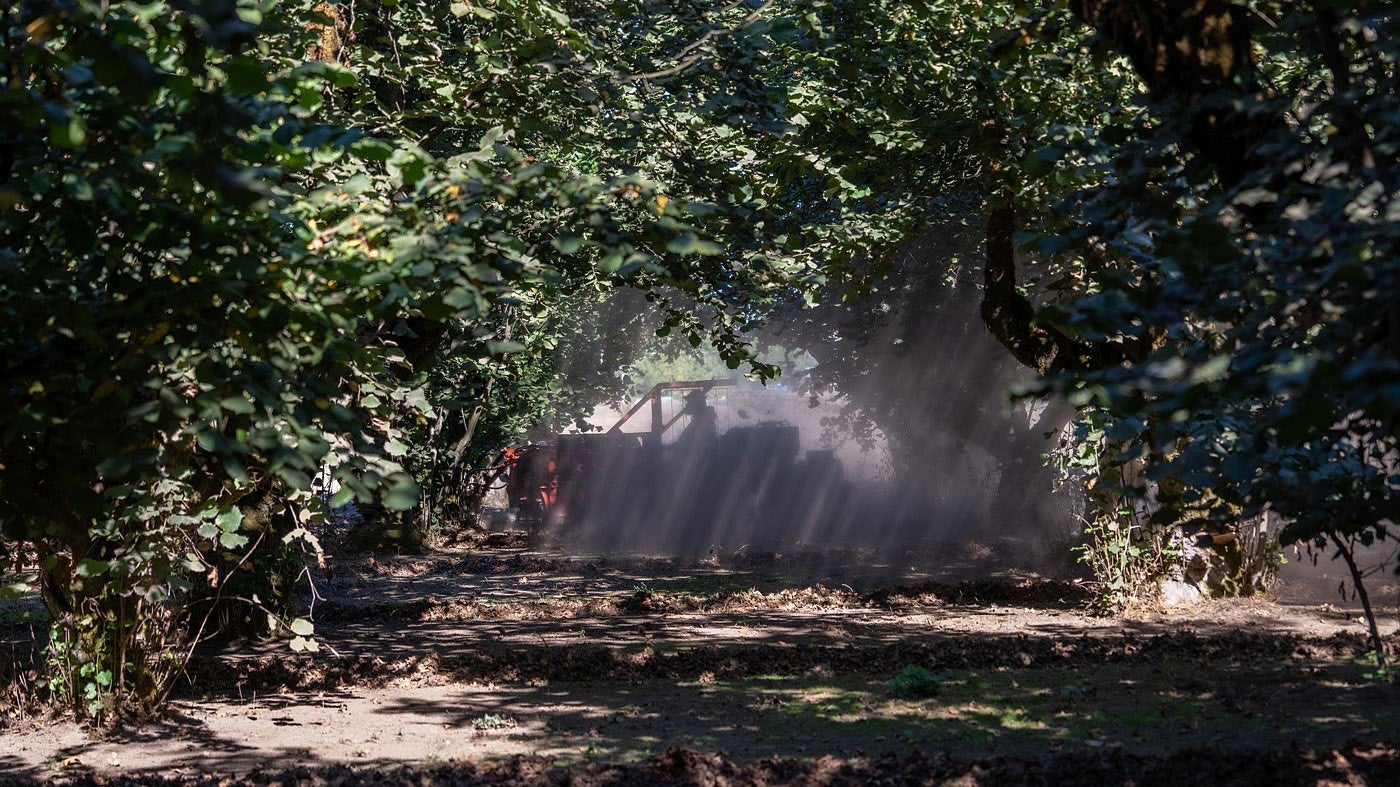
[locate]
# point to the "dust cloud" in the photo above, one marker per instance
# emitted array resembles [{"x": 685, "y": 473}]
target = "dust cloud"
[
  {"x": 897, "y": 434},
  {"x": 901, "y": 437}
]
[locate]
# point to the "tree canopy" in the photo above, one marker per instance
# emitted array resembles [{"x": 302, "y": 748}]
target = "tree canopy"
[
  {"x": 249, "y": 241},
  {"x": 1235, "y": 237}
]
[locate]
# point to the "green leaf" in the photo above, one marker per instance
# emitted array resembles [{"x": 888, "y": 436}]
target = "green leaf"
[
  {"x": 374, "y": 150},
  {"x": 237, "y": 404},
  {"x": 229, "y": 519},
  {"x": 302, "y": 627},
  {"x": 114, "y": 467},
  {"x": 568, "y": 242},
  {"x": 92, "y": 568},
  {"x": 232, "y": 540},
  {"x": 708, "y": 248},
  {"x": 70, "y": 132},
  {"x": 502, "y": 347},
  {"x": 610, "y": 263},
  {"x": 357, "y": 185},
  {"x": 684, "y": 243},
  {"x": 408, "y": 166},
  {"x": 402, "y": 494}
]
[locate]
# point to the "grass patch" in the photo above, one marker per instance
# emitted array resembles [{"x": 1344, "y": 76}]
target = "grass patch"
[{"x": 1026, "y": 710}]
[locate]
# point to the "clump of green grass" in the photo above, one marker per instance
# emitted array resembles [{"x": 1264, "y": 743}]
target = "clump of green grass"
[{"x": 915, "y": 682}]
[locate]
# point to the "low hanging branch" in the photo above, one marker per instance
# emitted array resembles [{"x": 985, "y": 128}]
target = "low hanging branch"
[
  {"x": 1006, "y": 312},
  {"x": 1009, "y": 315}
]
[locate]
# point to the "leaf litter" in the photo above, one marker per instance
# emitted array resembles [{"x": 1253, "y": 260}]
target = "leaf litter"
[{"x": 958, "y": 630}]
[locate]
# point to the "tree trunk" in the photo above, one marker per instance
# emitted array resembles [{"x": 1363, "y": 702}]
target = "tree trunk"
[{"x": 1185, "y": 51}]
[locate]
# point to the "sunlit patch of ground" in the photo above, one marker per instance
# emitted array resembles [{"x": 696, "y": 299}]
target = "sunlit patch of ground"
[{"x": 642, "y": 670}]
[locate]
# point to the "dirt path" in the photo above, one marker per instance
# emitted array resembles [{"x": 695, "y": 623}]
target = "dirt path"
[{"x": 469, "y": 658}]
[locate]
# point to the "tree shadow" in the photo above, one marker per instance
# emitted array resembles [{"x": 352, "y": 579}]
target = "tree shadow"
[
  {"x": 764, "y": 682},
  {"x": 973, "y": 713},
  {"x": 773, "y": 694}
]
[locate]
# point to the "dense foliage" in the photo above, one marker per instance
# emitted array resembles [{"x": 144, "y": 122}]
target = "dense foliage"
[
  {"x": 247, "y": 241},
  {"x": 1274, "y": 286},
  {"x": 1227, "y": 303},
  {"x": 211, "y": 291},
  {"x": 1240, "y": 222},
  {"x": 279, "y": 235}
]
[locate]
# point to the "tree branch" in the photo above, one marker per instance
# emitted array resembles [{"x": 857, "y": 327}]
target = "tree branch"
[{"x": 1008, "y": 314}]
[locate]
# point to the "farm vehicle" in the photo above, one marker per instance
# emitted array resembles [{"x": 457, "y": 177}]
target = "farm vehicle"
[{"x": 677, "y": 482}]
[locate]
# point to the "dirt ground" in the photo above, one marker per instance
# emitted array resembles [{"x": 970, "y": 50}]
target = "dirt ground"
[{"x": 498, "y": 664}]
